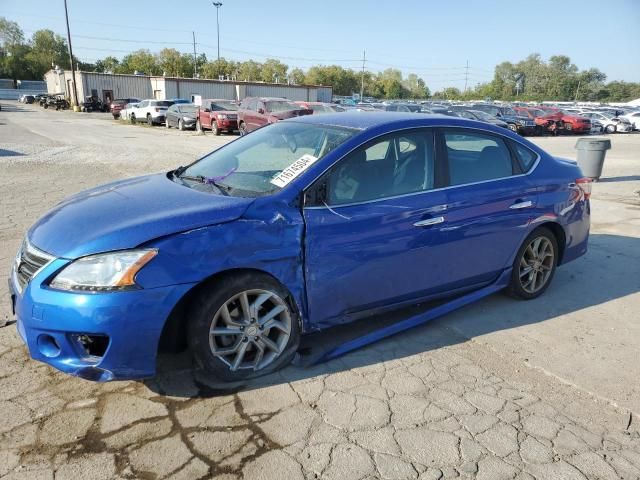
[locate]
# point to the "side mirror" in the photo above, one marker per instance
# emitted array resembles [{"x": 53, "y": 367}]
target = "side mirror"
[{"x": 261, "y": 111}]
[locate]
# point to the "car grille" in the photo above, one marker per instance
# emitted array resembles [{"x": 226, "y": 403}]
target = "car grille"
[
  {"x": 232, "y": 117},
  {"x": 29, "y": 261}
]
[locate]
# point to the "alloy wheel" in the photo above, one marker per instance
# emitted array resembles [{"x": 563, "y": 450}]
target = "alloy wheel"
[
  {"x": 536, "y": 265},
  {"x": 250, "y": 330}
]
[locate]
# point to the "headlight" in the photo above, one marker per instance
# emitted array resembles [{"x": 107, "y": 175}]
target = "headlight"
[
  {"x": 104, "y": 272},
  {"x": 187, "y": 118},
  {"x": 221, "y": 116}
]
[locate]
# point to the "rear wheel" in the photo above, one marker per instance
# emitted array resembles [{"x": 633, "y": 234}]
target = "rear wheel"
[
  {"x": 149, "y": 120},
  {"x": 243, "y": 328},
  {"x": 535, "y": 265},
  {"x": 132, "y": 118}
]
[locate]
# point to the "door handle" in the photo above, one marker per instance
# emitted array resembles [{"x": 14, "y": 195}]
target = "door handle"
[
  {"x": 519, "y": 205},
  {"x": 429, "y": 221}
]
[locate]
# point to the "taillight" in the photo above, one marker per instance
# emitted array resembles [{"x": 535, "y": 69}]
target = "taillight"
[{"x": 584, "y": 184}]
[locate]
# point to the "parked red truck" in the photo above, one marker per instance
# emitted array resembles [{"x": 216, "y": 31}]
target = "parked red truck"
[
  {"x": 217, "y": 115},
  {"x": 256, "y": 112}
]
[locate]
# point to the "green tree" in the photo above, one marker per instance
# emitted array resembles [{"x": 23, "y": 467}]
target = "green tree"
[
  {"x": 141, "y": 61},
  {"x": 296, "y": 76},
  {"x": 217, "y": 68},
  {"x": 274, "y": 70},
  {"x": 107, "y": 65},
  {"x": 175, "y": 64},
  {"x": 249, "y": 71},
  {"x": 48, "y": 50},
  {"x": 343, "y": 81}
]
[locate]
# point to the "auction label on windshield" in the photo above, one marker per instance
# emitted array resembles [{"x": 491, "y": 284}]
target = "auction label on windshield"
[{"x": 292, "y": 171}]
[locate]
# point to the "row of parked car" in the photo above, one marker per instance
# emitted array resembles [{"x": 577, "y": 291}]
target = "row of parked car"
[{"x": 216, "y": 115}]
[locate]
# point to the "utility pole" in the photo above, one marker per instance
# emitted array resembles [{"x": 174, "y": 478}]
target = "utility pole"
[
  {"x": 195, "y": 57},
  {"x": 73, "y": 69},
  {"x": 218, "y": 5},
  {"x": 364, "y": 58},
  {"x": 577, "y": 90},
  {"x": 466, "y": 76}
]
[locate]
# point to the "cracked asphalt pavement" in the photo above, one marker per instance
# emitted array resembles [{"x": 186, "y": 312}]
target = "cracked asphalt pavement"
[{"x": 502, "y": 389}]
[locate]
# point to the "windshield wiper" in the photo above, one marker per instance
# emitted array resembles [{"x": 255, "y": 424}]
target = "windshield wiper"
[{"x": 223, "y": 188}]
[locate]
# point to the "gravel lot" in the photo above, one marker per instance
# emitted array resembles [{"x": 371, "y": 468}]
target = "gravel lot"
[{"x": 546, "y": 389}]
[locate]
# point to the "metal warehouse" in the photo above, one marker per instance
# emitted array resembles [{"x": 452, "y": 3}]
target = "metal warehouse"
[{"x": 108, "y": 86}]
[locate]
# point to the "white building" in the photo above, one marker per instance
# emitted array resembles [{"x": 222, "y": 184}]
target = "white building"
[{"x": 108, "y": 86}]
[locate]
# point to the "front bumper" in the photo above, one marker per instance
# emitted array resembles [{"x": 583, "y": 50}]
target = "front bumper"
[
  {"x": 52, "y": 322},
  {"x": 228, "y": 125}
]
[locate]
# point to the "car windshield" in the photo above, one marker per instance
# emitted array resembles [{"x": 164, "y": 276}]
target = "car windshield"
[
  {"x": 537, "y": 112},
  {"x": 511, "y": 112},
  {"x": 321, "y": 109},
  {"x": 223, "y": 106},
  {"x": 254, "y": 165},
  {"x": 282, "y": 106},
  {"x": 162, "y": 103},
  {"x": 188, "y": 108},
  {"x": 483, "y": 115}
]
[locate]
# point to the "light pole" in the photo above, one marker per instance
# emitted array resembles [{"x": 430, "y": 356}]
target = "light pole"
[{"x": 218, "y": 5}]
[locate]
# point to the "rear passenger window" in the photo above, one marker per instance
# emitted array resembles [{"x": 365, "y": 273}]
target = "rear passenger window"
[
  {"x": 526, "y": 157},
  {"x": 396, "y": 165},
  {"x": 475, "y": 157}
]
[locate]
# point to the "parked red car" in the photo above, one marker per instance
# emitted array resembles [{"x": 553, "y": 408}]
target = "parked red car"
[
  {"x": 571, "y": 123},
  {"x": 543, "y": 122},
  {"x": 321, "y": 107},
  {"x": 256, "y": 112},
  {"x": 118, "y": 104},
  {"x": 217, "y": 115}
]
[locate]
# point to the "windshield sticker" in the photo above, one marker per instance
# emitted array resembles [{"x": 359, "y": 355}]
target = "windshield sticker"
[{"x": 292, "y": 171}]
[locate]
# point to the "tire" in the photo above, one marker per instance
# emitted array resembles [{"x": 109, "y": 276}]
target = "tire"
[
  {"x": 149, "y": 120},
  {"x": 610, "y": 129},
  {"x": 242, "y": 128},
  {"x": 532, "y": 274},
  {"x": 116, "y": 116},
  {"x": 513, "y": 127},
  {"x": 181, "y": 125},
  {"x": 239, "y": 352},
  {"x": 214, "y": 128},
  {"x": 132, "y": 118}
]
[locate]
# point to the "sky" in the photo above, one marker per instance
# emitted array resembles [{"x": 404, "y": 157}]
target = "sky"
[{"x": 434, "y": 39}]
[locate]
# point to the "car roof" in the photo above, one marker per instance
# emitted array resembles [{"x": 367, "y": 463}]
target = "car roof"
[{"x": 367, "y": 120}]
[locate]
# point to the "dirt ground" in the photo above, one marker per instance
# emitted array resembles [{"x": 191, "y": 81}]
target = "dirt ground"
[{"x": 546, "y": 389}]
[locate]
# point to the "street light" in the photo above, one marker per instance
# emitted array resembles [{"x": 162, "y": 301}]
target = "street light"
[{"x": 218, "y": 5}]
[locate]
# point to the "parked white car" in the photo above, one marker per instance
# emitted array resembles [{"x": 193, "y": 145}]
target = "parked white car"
[
  {"x": 153, "y": 112},
  {"x": 634, "y": 118},
  {"x": 610, "y": 123},
  {"x": 126, "y": 111}
]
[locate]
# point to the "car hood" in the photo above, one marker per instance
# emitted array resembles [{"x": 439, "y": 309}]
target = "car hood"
[{"x": 128, "y": 213}]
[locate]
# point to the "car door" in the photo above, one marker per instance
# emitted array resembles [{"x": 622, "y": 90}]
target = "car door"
[
  {"x": 140, "y": 111},
  {"x": 262, "y": 114},
  {"x": 250, "y": 115},
  {"x": 373, "y": 229},
  {"x": 490, "y": 204}
]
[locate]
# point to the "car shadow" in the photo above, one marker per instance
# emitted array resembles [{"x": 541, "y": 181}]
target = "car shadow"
[
  {"x": 627, "y": 178},
  {"x": 606, "y": 273}
]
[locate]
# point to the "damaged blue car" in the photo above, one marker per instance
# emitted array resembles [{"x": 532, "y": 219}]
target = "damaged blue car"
[{"x": 297, "y": 227}]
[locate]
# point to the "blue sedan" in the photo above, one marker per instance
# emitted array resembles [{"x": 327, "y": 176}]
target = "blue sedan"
[{"x": 300, "y": 226}]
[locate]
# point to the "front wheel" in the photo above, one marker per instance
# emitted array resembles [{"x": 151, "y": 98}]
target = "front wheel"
[
  {"x": 149, "y": 121},
  {"x": 242, "y": 128},
  {"x": 243, "y": 328},
  {"x": 132, "y": 119},
  {"x": 535, "y": 265},
  {"x": 513, "y": 127},
  {"x": 181, "y": 125},
  {"x": 610, "y": 129},
  {"x": 214, "y": 128}
]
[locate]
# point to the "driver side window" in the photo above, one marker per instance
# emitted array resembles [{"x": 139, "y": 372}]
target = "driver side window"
[{"x": 393, "y": 165}]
